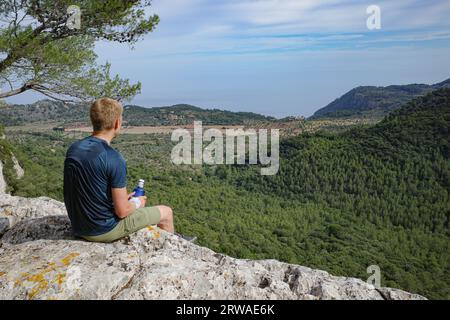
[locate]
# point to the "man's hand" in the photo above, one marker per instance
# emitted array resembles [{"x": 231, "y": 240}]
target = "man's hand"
[
  {"x": 122, "y": 206},
  {"x": 139, "y": 202},
  {"x": 143, "y": 201}
]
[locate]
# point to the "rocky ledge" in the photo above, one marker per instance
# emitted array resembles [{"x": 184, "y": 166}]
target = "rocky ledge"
[{"x": 39, "y": 259}]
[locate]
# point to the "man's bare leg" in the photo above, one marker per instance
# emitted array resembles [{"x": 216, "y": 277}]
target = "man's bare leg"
[{"x": 166, "y": 222}]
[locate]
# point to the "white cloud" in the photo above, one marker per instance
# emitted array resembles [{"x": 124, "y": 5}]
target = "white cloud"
[
  {"x": 248, "y": 26},
  {"x": 310, "y": 15},
  {"x": 264, "y": 12}
]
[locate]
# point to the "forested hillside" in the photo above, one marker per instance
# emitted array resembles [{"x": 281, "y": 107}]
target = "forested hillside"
[
  {"x": 375, "y": 102},
  {"x": 58, "y": 112},
  {"x": 184, "y": 114},
  {"x": 395, "y": 175},
  {"x": 42, "y": 111}
]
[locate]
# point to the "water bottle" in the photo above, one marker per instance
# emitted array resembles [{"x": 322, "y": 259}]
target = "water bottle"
[{"x": 139, "y": 190}]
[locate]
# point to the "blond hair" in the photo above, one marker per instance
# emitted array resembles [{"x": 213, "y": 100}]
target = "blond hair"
[{"x": 104, "y": 113}]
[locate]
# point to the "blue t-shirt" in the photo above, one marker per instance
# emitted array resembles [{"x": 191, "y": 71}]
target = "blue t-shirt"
[{"x": 91, "y": 169}]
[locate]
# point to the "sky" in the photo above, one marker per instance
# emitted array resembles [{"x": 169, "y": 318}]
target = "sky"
[{"x": 280, "y": 57}]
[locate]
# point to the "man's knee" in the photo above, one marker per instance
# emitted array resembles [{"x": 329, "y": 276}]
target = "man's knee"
[{"x": 166, "y": 213}]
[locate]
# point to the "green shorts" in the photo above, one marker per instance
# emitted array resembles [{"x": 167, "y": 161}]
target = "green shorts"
[{"x": 138, "y": 220}]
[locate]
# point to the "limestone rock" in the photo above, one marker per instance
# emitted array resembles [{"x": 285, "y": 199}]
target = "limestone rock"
[
  {"x": 40, "y": 259},
  {"x": 19, "y": 170},
  {"x": 2, "y": 180},
  {"x": 17, "y": 209}
]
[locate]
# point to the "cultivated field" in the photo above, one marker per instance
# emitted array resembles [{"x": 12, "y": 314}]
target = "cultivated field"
[{"x": 287, "y": 128}]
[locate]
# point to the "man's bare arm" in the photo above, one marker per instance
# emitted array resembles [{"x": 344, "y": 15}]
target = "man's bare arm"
[{"x": 122, "y": 206}]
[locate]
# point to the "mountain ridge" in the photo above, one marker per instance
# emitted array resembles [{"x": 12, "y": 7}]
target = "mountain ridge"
[
  {"x": 373, "y": 101},
  {"x": 179, "y": 114}
]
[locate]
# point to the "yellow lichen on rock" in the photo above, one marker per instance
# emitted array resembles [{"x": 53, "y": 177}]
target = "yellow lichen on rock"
[
  {"x": 44, "y": 279},
  {"x": 156, "y": 234},
  {"x": 42, "y": 285},
  {"x": 7, "y": 212},
  {"x": 68, "y": 260},
  {"x": 60, "y": 278}
]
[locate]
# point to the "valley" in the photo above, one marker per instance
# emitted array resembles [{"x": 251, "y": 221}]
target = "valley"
[
  {"x": 348, "y": 195},
  {"x": 287, "y": 127}
]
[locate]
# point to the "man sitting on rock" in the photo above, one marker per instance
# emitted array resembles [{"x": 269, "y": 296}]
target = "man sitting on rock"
[{"x": 95, "y": 181}]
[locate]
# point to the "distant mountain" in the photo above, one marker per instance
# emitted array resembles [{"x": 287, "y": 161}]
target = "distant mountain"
[
  {"x": 42, "y": 111},
  {"x": 183, "y": 114},
  {"x": 375, "y": 101},
  {"x": 45, "y": 111}
]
